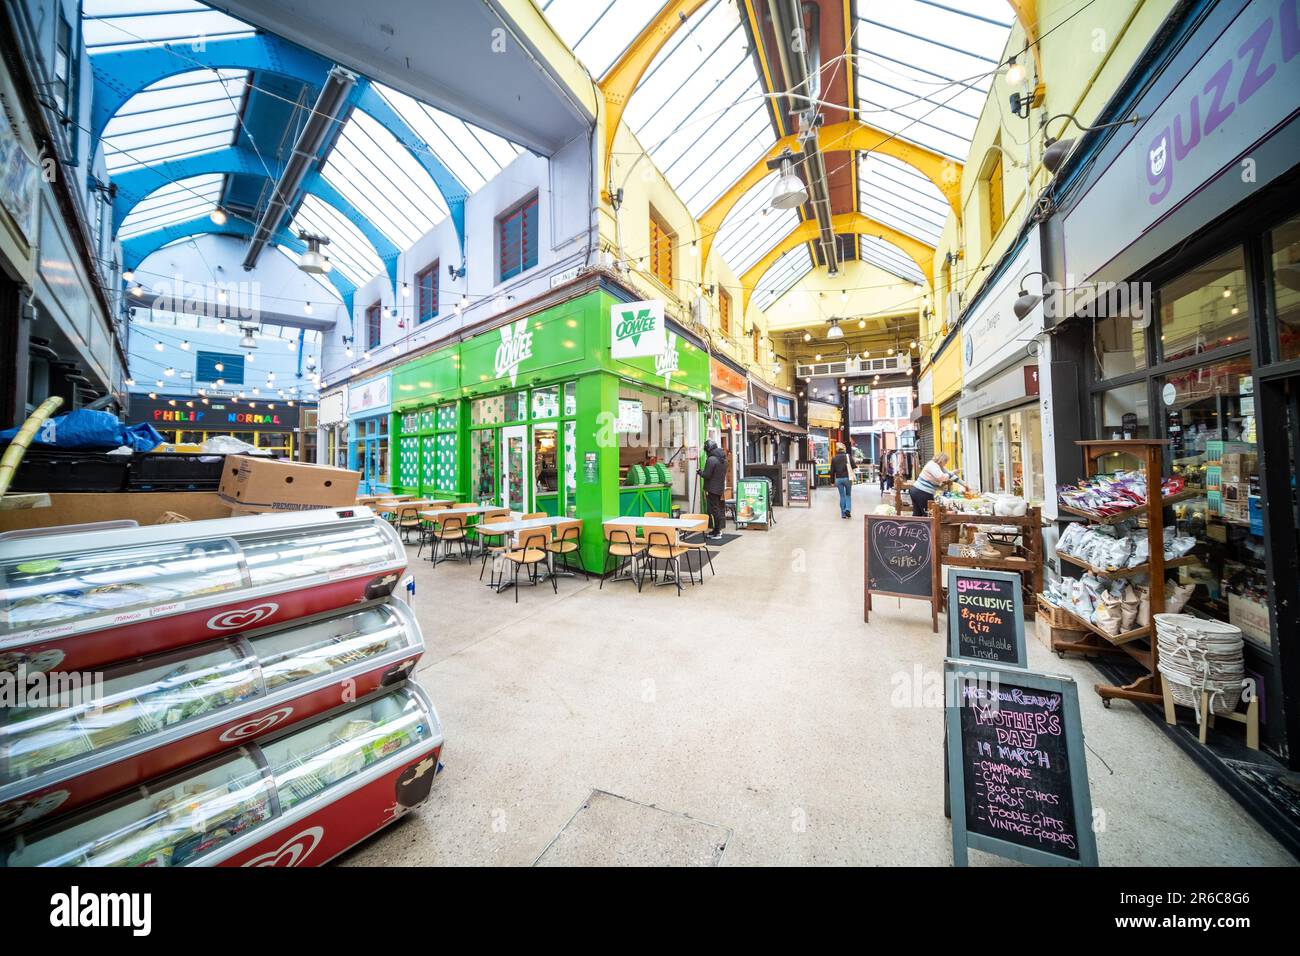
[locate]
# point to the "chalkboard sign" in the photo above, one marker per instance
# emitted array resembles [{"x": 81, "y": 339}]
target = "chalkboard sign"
[
  {"x": 986, "y": 617},
  {"x": 1016, "y": 762},
  {"x": 797, "y": 481},
  {"x": 899, "y": 560}
]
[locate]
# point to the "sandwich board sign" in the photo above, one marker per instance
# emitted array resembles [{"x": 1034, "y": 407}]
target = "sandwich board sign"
[
  {"x": 637, "y": 330},
  {"x": 1017, "y": 767},
  {"x": 986, "y": 617},
  {"x": 899, "y": 561}
]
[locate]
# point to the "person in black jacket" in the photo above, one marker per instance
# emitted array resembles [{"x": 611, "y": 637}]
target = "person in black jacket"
[
  {"x": 842, "y": 475},
  {"x": 715, "y": 483}
]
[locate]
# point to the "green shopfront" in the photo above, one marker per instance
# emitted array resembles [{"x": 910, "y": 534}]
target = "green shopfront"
[{"x": 538, "y": 415}]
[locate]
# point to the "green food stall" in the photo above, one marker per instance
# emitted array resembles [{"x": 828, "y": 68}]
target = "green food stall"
[{"x": 538, "y": 415}]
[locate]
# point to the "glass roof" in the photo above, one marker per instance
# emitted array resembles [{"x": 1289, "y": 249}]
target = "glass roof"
[
  {"x": 176, "y": 202},
  {"x": 472, "y": 154},
  {"x": 753, "y": 227},
  {"x": 182, "y": 115},
  {"x": 783, "y": 275},
  {"x": 198, "y": 111},
  {"x": 889, "y": 257},
  {"x": 895, "y": 194},
  {"x": 924, "y": 68},
  {"x": 406, "y": 203},
  {"x": 111, "y": 25}
]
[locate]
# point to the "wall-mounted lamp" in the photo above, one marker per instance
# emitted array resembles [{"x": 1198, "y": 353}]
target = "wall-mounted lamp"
[{"x": 1025, "y": 301}]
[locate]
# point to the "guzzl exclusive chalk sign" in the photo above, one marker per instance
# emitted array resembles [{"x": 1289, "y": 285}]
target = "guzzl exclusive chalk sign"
[
  {"x": 899, "y": 561},
  {"x": 986, "y": 617}
]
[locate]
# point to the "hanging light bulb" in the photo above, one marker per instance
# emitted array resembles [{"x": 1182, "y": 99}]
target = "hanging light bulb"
[
  {"x": 866, "y": 353},
  {"x": 1015, "y": 72},
  {"x": 158, "y": 383},
  {"x": 218, "y": 216},
  {"x": 306, "y": 308},
  {"x": 695, "y": 248},
  {"x": 890, "y": 350},
  {"x": 153, "y": 395},
  {"x": 288, "y": 343},
  {"x": 912, "y": 344},
  {"x": 862, "y": 323},
  {"x": 220, "y": 366},
  {"x": 169, "y": 371},
  {"x": 464, "y": 302},
  {"x": 158, "y": 346},
  {"x": 128, "y": 275},
  {"x": 817, "y": 357},
  {"x": 807, "y": 336},
  {"x": 221, "y": 383},
  {"x": 137, "y": 290},
  {"x": 130, "y": 382},
  {"x": 844, "y": 295},
  {"x": 221, "y": 297},
  {"x": 221, "y": 323},
  {"x": 185, "y": 345},
  {"x": 348, "y": 351},
  {"x": 406, "y": 290}
]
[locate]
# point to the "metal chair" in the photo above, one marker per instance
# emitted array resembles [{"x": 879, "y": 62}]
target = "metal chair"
[
  {"x": 622, "y": 545},
  {"x": 567, "y": 541},
  {"x": 448, "y": 531},
  {"x": 426, "y": 526},
  {"x": 531, "y": 553},
  {"x": 664, "y": 547},
  {"x": 703, "y": 544},
  {"x": 498, "y": 545}
]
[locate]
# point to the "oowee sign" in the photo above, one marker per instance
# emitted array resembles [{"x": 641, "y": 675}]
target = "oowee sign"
[{"x": 637, "y": 330}]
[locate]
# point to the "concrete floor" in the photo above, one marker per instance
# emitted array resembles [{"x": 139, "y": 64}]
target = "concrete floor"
[{"x": 758, "y": 706}]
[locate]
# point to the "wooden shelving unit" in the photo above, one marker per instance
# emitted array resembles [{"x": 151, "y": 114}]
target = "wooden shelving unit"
[
  {"x": 1139, "y": 643},
  {"x": 1126, "y": 572},
  {"x": 1026, "y": 559}
]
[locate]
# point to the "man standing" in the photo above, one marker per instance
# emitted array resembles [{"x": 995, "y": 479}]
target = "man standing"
[{"x": 715, "y": 483}]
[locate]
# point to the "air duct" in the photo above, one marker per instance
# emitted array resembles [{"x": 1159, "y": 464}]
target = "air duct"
[{"x": 321, "y": 122}]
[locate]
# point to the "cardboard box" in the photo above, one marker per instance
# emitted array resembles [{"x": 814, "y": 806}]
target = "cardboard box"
[
  {"x": 141, "y": 507},
  {"x": 252, "y": 485}
]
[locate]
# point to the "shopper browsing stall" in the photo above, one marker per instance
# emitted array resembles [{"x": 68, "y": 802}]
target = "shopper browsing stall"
[{"x": 933, "y": 477}]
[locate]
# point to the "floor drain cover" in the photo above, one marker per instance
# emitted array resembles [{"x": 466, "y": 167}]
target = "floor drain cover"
[{"x": 609, "y": 830}]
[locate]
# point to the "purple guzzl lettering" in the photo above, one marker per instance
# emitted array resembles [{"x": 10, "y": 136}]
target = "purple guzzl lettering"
[{"x": 1255, "y": 45}]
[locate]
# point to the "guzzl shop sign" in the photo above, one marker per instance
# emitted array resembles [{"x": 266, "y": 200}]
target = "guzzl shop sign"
[{"x": 1238, "y": 91}]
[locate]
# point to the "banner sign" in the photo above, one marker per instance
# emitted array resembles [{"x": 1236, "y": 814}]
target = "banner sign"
[{"x": 637, "y": 329}]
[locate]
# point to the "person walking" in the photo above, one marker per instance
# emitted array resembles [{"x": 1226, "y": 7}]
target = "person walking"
[
  {"x": 842, "y": 475},
  {"x": 715, "y": 483},
  {"x": 933, "y": 477},
  {"x": 887, "y": 472}
]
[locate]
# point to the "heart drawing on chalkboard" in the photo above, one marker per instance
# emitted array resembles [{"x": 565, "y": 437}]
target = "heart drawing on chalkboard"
[{"x": 902, "y": 547}]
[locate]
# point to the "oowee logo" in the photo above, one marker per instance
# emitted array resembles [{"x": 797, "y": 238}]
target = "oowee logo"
[
  {"x": 636, "y": 329},
  {"x": 666, "y": 361},
  {"x": 516, "y": 345},
  {"x": 634, "y": 325}
]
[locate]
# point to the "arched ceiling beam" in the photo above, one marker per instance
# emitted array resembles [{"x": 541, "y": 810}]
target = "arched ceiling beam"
[
  {"x": 844, "y": 224},
  {"x": 138, "y": 248},
  {"x": 1026, "y": 12},
  {"x": 851, "y": 135},
  {"x": 137, "y": 184},
  {"x": 621, "y": 80},
  {"x": 121, "y": 75}
]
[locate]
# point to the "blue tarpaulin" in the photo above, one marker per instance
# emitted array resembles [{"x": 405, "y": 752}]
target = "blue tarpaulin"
[{"x": 91, "y": 430}]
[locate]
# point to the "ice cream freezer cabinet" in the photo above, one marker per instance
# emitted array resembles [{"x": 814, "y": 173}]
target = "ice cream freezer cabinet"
[
  {"x": 166, "y": 711},
  {"x": 76, "y": 601},
  {"x": 297, "y": 798}
]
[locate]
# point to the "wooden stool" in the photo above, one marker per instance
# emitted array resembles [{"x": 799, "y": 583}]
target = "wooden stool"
[{"x": 1250, "y": 718}]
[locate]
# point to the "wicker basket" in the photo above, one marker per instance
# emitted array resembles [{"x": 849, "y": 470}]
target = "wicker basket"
[
  {"x": 1197, "y": 654},
  {"x": 1056, "y": 616}
]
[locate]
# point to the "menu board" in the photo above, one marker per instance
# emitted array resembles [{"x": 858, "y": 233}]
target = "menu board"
[
  {"x": 1016, "y": 761},
  {"x": 797, "y": 490},
  {"x": 986, "y": 618},
  {"x": 899, "y": 561},
  {"x": 752, "y": 502}
]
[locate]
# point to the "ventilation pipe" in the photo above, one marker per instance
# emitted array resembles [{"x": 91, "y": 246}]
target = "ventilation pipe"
[
  {"x": 321, "y": 121},
  {"x": 787, "y": 17}
]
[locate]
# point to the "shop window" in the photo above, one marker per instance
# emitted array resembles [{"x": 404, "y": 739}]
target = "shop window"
[
  {"x": 482, "y": 465},
  {"x": 64, "y": 67},
  {"x": 571, "y": 468},
  {"x": 993, "y": 193},
  {"x": 1209, "y": 415},
  {"x": 488, "y": 411},
  {"x": 1011, "y": 453},
  {"x": 546, "y": 402},
  {"x": 1205, "y": 308},
  {"x": 516, "y": 406},
  {"x": 724, "y": 312},
  {"x": 1119, "y": 346},
  {"x": 570, "y": 398},
  {"x": 1284, "y": 241},
  {"x": 517, "y": 239},
  {"x": 546, "y": 471},
  {"x": 374, "y": 326},
  {"x": 426, "y": 293},
  {"x": 661, "y": 251},
  {"x": 226, "y": 366}
]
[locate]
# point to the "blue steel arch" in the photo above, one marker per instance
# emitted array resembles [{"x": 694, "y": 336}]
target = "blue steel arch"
[
  {"x": 121, "y": 74},
  {"x": 137, "y": 184},
  {"x": 138, "y": 248}
]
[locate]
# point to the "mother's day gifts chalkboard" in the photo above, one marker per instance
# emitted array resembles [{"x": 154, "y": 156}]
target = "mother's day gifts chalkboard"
[
  {"x": 1017, "y": 766},
  {"x": 899, "y": 561},
  {"x": 986, "y": 617}
]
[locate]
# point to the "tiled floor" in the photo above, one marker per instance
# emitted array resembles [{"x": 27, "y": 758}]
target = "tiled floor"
[{"x": 759, "y": 704}]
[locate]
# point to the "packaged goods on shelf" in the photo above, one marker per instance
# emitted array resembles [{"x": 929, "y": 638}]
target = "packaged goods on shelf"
[
  {"x": 1103, "y": 495},
  {"x": 1111, "y": 548}
]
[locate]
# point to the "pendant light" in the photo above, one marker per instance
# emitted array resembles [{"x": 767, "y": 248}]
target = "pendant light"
[{"x": 790, "y": 192}]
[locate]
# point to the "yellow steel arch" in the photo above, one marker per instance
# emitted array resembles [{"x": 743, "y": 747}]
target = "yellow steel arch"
[
  {"x": 844, "y": 224},
  {"x": 620, "y": 82},
  {"x": 851, "y": 135}
]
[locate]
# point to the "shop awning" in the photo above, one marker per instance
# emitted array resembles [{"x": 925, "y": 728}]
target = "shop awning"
[{"x": 784, "y": 428}]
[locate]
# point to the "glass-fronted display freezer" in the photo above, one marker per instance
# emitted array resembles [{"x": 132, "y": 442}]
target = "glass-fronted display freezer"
[
  {"x": 74, "y": 602},
  {"x": 300, "y": 798},
  {"x": 155, "y": 714}
]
